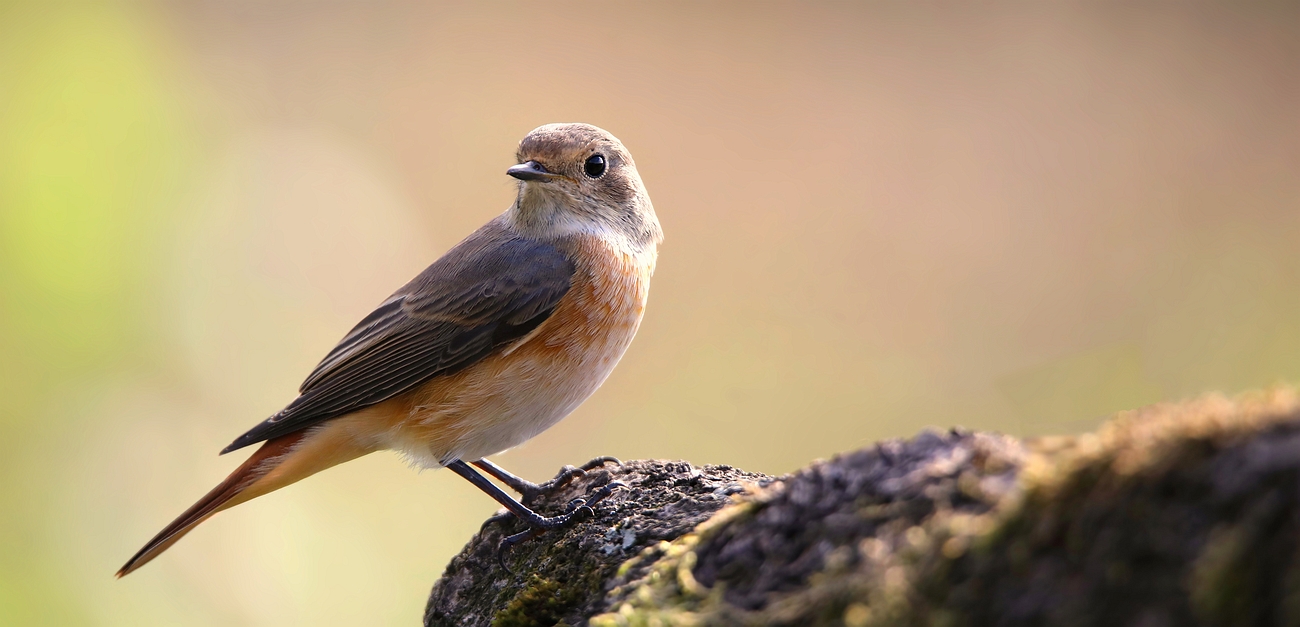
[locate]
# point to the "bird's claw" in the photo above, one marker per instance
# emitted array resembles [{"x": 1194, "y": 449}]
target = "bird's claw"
[
  {"x": 512, "y": 540},
  {"x": 597, "y": 462},
  {"x": 577, "y": 510},
  {"x": 567, "y": 474},
  {"x": 530, "y": 492}
]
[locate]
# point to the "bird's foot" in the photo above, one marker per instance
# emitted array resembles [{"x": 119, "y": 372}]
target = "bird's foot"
[
  {"x": 529, "y": 492},
  {"x": 566, "y": 475},
  {"x": 578, "y": 509}
]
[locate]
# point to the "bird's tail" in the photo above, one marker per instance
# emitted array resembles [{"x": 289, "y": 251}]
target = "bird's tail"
[{"x": 242, "y": 484}]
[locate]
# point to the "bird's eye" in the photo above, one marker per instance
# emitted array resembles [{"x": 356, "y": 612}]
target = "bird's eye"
[{"x": 595, "y": 166}]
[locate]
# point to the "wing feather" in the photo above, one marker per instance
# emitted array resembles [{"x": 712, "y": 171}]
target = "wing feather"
[{"x": 484, "y": 294}]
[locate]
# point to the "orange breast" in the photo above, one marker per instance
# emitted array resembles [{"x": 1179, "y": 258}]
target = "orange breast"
[
  {"x": 604, "y": 305},
  {"x": 515, "y": 394}
]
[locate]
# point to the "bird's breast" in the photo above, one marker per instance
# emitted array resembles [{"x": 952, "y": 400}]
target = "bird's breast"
[
  {"x": 520, "y": 391},
  {"x": 602, "y": 309}
]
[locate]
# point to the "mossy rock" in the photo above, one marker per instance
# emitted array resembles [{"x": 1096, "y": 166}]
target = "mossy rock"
[{"x": 1177, "y": 514}]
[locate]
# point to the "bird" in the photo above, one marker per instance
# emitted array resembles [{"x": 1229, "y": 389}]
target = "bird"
[{"x": 496, "y": 341}]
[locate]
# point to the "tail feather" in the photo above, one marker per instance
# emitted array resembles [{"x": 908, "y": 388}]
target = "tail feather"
[{"x": 221, "y": 497}]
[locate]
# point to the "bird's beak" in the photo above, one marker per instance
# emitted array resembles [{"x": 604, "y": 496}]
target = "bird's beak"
[{"x": 531, "y": 171}]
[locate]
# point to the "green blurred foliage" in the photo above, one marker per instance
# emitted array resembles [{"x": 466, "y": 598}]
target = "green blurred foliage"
[{"x": 90, "y": 151}]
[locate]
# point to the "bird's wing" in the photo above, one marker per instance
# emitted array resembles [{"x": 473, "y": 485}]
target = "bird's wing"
[{"x": 484, "y": 294}]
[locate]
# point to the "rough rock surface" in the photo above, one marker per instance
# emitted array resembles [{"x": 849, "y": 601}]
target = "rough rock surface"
[
  {"x": 1178, "y": 514},
  {"x": 560, "y": 578}
]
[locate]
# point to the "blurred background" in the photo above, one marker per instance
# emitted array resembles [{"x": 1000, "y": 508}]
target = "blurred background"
[{"x": 879, "y": 218}]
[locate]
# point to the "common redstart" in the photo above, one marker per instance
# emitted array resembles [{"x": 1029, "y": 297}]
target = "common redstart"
[{"x": 495, "y": 342}]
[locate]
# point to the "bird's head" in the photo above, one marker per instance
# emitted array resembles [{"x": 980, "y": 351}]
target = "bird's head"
[{"x": 580, "y": 178}]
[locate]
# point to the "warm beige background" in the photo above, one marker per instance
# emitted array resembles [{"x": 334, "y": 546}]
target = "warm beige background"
[{"x": 878, "y": 219}]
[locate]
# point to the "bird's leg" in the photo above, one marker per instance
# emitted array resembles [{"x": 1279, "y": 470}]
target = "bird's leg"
[
  {"x": 537, "y": 523},
  {"x": 579, "y": 506},
  {"x": 529, "y": 491},
  {"x": 583, "y": 505}
]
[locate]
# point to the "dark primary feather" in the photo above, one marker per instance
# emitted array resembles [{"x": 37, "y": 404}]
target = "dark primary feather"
[{"x": 491, "y": 289}]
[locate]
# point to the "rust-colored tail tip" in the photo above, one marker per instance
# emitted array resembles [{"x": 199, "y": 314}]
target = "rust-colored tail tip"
[{"x": 214, "y": 501}]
